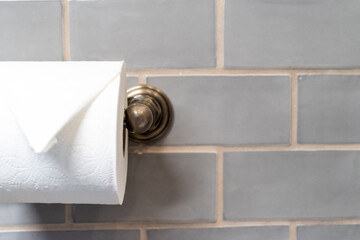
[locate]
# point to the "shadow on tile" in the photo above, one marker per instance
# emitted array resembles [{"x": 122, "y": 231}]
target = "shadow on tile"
[
  {"x": 161, "y": 187},
  {"x": 24, "y": 214}
]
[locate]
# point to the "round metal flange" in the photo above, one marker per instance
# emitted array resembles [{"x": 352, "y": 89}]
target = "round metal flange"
[{"x": 149, "y": 114}]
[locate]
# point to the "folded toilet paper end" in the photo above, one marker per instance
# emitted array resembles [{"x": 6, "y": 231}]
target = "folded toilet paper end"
[{"x": 65, "y": 128}]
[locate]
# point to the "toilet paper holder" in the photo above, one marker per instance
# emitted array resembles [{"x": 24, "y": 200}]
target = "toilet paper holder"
[{"x": 149, "y": 114}]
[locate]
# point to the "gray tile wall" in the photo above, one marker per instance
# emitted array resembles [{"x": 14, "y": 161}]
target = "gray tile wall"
[
  {"x": 72, "y": 235},
  {"x": 260, "y": 101},
  {"x": 291, "y": 185},
  {"x": 30, "y": 31},
  {"x": 24, "y": 214},
  {"x": 334, "y": 232},
  {"x": 162, "y": 188},
  {"x": 148, "y": 34},
  {"x": 292, "y": 34},
  {"x": 328, "y": 109},
  {"x": 246, "y": 233},
  {"x": 205, "y": 112},
  {"x": 132, "y": 81}
]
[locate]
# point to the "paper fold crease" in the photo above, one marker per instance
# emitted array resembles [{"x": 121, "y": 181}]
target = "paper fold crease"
[
  {"x": 62, "y": 138},
  {"x": 44, "y": 104}
]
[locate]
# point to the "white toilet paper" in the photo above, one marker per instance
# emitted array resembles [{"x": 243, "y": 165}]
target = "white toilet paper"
[{"x": 61, "y": 132}]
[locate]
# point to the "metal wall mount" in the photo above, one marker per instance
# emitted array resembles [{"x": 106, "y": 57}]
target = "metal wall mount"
[{"x": 149, "y": 114}]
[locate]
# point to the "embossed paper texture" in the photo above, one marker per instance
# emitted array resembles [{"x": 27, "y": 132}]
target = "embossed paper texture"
[{"x": 86, "y": 162}]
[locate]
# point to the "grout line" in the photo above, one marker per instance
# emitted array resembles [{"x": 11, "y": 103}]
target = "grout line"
[
  {"x": 128, "y": 74},
  {"x": 294, "y": 108},
  {"x": 328, "y": 222},
  {"x": 143, "y": 226},
  {"x": 136, "y": 226},
  {"x": 214, "y": 149},
  {"x": 220, "y": 187},
  {"x": 292, "y": 231},
  {"x": 220, "y": 8},
  {"x": 68, "y": 214},
  {"x": 200, "y": 72},
  {"x": 143, "y": 234},
  {"x": 65, "y": 30},
  {"x": 298, "y": 147},
  {"x": 172, "y": 149},
  {"x": 142, "y": 78}
]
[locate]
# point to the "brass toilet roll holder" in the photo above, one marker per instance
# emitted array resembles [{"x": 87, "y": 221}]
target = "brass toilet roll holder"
[{"x": 149, "y": 114}]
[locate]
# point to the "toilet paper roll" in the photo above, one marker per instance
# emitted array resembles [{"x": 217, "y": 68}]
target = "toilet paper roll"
[{"x": 62, "y": 138}]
